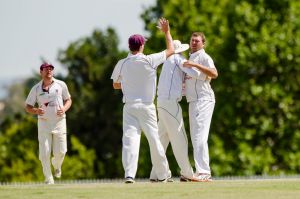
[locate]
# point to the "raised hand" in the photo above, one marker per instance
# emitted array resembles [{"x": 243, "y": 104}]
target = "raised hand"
[{"x": 163, "y": 24}]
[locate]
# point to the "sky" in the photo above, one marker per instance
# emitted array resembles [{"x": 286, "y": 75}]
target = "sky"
[{"x": 34, "y": 29}]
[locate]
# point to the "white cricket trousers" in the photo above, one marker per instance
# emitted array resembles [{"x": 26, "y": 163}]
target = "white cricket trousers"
[
  {"x": 52, "y": 137},
  {"x": 200, "y": 115},
  {"x": 139, "y": 117},
  {"x": 171, "y": 129}
]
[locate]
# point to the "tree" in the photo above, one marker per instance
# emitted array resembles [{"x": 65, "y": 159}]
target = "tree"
[{"x": 19, "y": 153}]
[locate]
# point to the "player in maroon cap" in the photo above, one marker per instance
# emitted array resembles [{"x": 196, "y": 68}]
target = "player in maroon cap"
[
  {"x": 136, "y": 76},
  {"x": 53, "y": 99}
]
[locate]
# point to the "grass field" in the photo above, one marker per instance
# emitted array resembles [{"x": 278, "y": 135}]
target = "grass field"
[{"x": 218, "y": 189}]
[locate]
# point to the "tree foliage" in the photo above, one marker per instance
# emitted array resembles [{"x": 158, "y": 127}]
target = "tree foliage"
[
  {"x": 18, "y": 145},
  {"x": 19, "y": 153},
  {"x": 96, "y": 114}
]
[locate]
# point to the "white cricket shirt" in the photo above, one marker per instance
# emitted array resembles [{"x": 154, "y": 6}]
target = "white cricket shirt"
[
  {"x": 137, "y": 75},
  {"x": 172, "y": 77},
  {"x": 199, "y": 88},
  {"x": 51, "y": 100}
]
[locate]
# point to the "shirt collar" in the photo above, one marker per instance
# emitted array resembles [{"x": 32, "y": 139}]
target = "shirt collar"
[
  {"x": 198, "y": 52},
  {"x": 132, "y": 55},
  {"x": 41, "y": 82}
]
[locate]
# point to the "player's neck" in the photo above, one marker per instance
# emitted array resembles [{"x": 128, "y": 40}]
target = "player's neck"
[
  {"x": 47, "y": 82},
  {"x": 135, "y": 52},
  {"x": 138, "y": 51}
]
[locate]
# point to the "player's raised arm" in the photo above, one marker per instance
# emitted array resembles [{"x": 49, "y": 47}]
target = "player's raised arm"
[{"x": 164, "y": 26}]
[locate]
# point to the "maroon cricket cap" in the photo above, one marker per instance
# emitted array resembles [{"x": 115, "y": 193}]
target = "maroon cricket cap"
[
  {"x": 46, "y": 65},
  {"x": 135, "y": 41}
]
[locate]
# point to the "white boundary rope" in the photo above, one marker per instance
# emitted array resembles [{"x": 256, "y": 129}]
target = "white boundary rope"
[{"x": 176, "y": 179}]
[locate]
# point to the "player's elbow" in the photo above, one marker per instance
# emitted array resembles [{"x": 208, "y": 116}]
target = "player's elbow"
[
  {"x": 214, "y": 74},
  {"x": 117, "y": 85},
  {"x": 70, "y": 102},
  {"x": 170, "y": 52},
  {"x": 28, "y": 108}
]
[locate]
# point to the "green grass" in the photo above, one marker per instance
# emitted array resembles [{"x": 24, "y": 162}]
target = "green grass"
[{"x": 218, "y": 189}]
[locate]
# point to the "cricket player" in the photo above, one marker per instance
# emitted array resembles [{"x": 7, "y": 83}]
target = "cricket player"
[
  {"x": 136, "y": 76},
  {"x": 201, "y": 99},
  {"x": 53, "y": 99},
  {"x": 170, "y": 122}
]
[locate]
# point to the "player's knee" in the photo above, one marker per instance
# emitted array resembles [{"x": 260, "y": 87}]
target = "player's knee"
[
  {"x": 201, "y": 143},
  {"x": 60, "y": 154},
  {"x": 43, "y": 157}
]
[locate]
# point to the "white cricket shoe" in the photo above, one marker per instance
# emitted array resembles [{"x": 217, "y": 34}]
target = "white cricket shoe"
[
  {"x": 168, "y": 179},
  {"x": 49, "y": 180},
  {"x": 197, "y": 178},
  {"x": 57, "y": 173},
  {"x": 204, "y": 177},
  {"x": 185, "y": 179},
  {"x": 129, "y": 180}
]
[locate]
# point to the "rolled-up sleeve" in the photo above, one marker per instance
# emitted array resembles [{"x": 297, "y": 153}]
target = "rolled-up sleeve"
[
  {"x": 31, "y": 98},
  {"x": 116, "y": 75}
]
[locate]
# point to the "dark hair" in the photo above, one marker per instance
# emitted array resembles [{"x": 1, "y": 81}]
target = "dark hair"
[
  {"x": 135, "y": 42},
  {"x": 134, "y": 47}
]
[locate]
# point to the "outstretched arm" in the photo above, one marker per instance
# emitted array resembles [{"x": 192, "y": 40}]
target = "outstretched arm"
[{"x": 164, "y": 26}]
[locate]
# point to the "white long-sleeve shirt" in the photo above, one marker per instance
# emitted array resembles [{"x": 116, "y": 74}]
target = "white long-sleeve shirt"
[
  {"x": 172, "y": 77},
  {"x": 199, "y": 88},
  {"x": 137, "y": 75}
]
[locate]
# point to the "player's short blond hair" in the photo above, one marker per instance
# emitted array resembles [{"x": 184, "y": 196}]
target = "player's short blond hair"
[{"x": 199, "y": 34}]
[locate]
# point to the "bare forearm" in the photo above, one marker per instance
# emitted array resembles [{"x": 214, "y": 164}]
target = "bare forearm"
[
  {"x": 210, "y": 72},
  {"x": 31, "y": 109},
  {"x": 117, "y": 85},
  {"x": 169, "y": 43},
  {"x": 164, "y": 26},
  {"x": 34, "y": 110},
  {"x": 67, "y": 104}
]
